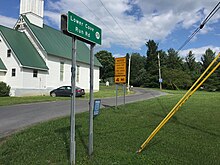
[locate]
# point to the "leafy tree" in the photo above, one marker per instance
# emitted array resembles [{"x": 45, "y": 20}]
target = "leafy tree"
[
  {"x": 141, "y": 78},
  {"x": 152, "y": 54},
  {"x": 4, "y": 89},
  {"x": 176, "y": 79},
  {"x": 213, "y": 82},
  {"x": 192, "y": 67},
  {"x": 191, "y": 61},
  {"x": 207, "y": 58},
  {"x": 173, "y": 60},
  {"x": 137, "y": 68},
  {"x": 163, "y": 58},
  {"x": 173, "y": 74},
  {"x": 108, "y": 63},
  {"x": 151, "y": 64}
]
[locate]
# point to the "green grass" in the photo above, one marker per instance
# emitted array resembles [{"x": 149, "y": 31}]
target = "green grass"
[
  {"x": 109, "y": 91},
  {"x": 104, "y": 92},
  {"x": 31, "y": 99},
  {"x": 192, "y": 136}
]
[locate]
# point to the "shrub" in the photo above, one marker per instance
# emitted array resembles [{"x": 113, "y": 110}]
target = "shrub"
[{"x": 4, "y": 89}]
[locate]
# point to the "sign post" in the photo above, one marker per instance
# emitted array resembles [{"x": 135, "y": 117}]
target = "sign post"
[
  {"x": 91, "y": 100},
  {"x": 120, "y": 75},
  {"x": 78, "y": 28},
  {"x": 72, "y": 115}
]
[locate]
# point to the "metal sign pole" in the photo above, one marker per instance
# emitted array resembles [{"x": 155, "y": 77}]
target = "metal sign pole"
[
  {"x": 124, "y": 86},
  {"x": 116, "y": 99},
  {"x": 160, "y": 79},
  {"x": 72, "y": 115},
  {"x": 129, "y": 71},
  {"x": 91, "y": 100}
]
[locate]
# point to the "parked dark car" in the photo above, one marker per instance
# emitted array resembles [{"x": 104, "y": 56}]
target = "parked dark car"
[{"x": 66, "y": 91}]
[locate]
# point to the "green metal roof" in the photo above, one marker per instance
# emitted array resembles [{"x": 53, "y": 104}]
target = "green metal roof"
[
  {"x": 2, "y": 66},
  {"x": 58, "y": 44},
  {"x": 23, "y": 49}
]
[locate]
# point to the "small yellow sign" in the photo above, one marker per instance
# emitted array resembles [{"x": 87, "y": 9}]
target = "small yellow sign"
[
  {"x": 121, "y": 79},
  {"x": 120, "y": 70}
]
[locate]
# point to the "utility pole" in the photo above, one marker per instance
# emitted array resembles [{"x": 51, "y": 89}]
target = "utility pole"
[
  {"x": 160, "y": 79},
  {"x": 129, "y": 70}
]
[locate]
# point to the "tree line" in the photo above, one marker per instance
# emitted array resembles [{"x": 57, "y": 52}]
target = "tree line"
[{"x": 177, "y": 72}]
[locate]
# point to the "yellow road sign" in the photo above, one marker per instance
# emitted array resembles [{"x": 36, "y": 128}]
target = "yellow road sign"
[
  {"x": 120, "y": 79},
  {"x": 120, "y": 70}
]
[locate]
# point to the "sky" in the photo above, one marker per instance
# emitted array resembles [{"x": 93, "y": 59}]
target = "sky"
[{"x": 128, "y": 24}]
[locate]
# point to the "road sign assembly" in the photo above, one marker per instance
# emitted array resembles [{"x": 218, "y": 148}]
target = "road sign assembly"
[
  {"x": 120, "y": 70},
  {"x": 80, "y": 29}
]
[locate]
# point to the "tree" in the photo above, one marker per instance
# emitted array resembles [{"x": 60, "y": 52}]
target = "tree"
[
  {"x": 137, "y": 68},
  {"x": 176, "y": 79},
  {"x": 152, "y": 53},
  {"x": 213, "y": 82},
  {"x": 4, "y": 89},
  {"x": 207, "y": 58},
  {"x": 173, "y": 60},
  {"x": 108, "y": 63},
  {"x": 151, "y": 64},
  {"x": 192, "y": 67},
  {"x": 173, "y": 74}
]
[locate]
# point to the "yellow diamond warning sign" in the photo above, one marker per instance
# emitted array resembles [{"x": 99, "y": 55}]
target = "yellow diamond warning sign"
[{"x": 120, "y": 70}]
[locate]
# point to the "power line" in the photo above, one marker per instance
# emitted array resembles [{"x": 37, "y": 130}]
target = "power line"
[
  {"x": 115, "y": 21},
  {"x": 101, "y": 20},
  {"x": 96, "y": 16},
  {"x": 216, "y": 8},
  {"x": 211, "y": 14}
]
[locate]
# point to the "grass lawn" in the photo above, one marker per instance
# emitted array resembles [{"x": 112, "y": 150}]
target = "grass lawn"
[
  {"x": 104, "y": 92},
  {"x": 192, "y": 136}
]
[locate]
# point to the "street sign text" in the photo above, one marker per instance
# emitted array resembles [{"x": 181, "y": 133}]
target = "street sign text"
[{"x": 83, "y": 29}]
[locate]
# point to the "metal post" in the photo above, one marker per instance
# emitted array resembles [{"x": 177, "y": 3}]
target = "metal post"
[
  {"x": 160, "y": 79},
  {"x": 124, "y": 89},
  {"x": 72, "y": 114},
  {"x": 116, "y": 99},
  {"x": 91, "y": 100},
  {"x": 129, "y": 70}
]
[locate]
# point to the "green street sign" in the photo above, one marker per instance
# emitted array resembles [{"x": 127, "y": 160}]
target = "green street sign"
[{"x": 83, "y": 29}]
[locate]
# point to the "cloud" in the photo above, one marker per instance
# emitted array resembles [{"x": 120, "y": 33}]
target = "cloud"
[
  {"x": 118, "y": 55},
  {"x": 7, "y": 21},
  {"x": 153, "y": 19},
  {"x": 198, "y": 52},
  {"x": 52, "y": 18}
]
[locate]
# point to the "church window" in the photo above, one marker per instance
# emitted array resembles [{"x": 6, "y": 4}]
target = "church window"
[
  {"x": 9, "y": 53},
  {"x": 35, "y": 72},
  {"x": 61, "y": 71},
  {"x": 13, "y": 72}
]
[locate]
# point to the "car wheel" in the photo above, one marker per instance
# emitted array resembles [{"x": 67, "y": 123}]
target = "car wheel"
[{"x": 53, "y": 94}]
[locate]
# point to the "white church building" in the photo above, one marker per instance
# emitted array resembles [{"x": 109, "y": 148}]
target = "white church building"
[{"x": 35, "y": 58}]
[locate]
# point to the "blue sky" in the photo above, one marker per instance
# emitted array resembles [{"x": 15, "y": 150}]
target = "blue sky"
[{"x": 168, "y": 22}]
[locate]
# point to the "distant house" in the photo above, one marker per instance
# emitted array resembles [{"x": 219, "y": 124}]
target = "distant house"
[{"x": 35, "y": 58}]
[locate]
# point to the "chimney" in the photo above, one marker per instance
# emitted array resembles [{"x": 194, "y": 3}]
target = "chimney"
[{"x": 33, "y": 9}]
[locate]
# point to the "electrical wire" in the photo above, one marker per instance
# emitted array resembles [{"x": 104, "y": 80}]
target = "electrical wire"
[
  {"x": 127, "y": 36},
  {"x": 211, "y": 14},
  {"x": 101, "y": 21},
  {"x": 96, "y": 16}
]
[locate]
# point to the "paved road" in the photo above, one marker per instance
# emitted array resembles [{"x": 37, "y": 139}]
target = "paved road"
[{"x": 17, "y": 117}]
